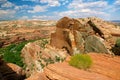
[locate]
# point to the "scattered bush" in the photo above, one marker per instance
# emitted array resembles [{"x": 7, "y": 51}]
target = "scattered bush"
[
  {"x": 116, "y": 48},
  {"x": 118, "y": 42},
  {"x": 81, "y": 61},
  {"x": 43, "y": 43}
]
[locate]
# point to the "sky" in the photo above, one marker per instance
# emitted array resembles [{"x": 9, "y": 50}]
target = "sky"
[{"x": 56, "y": 9}]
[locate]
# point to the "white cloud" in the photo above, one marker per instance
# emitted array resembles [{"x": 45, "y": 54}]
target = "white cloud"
[
  {"x": 64, "y": 2},
  {"x": 22, "y": 7},
  {"x": 80, "y": 4},
  {"x": 7, "y": 14},
  {"x": 2, "y": 1},
  {"x": 79, "y": 8},
  {"x": 43, "y": 17},
  {"x": 37, "y": 8},
  {"x": 73, "y": 14},
  {"x": 51, "y": 3},
  {"x": 32, "y": 0},
  {"x": 117, "y": 2},
  {"x": 82, "y": 13},
  {"x": 7, "y": 4},
  {"x": 24, "y": 18}
]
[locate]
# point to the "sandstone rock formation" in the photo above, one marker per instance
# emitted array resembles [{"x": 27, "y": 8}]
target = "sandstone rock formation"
[
  {"x": 73, "y": 35},
  {"x": 10, "y": 71},
  {"x": 95, "y": 44},
  {"x": 63, "y": 38},
  {"x": 100, "y": 70},
  {"x": 36, "y": 57},
  {"x": 37, "y": 76},
  {"x": 31, "y": 54}
]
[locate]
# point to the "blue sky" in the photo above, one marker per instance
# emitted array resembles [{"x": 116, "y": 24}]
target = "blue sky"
[{"x": 55, "y": 9}]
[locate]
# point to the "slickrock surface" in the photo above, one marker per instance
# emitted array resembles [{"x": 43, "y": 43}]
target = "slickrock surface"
[{"x": 105, "y": 67}]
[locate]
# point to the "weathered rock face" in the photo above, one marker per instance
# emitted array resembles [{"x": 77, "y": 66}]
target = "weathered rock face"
[
  {"x": 9, "y": 71},
  {"x": 37, "y": 76},
  {"x": 61, "y": 39},
  {"x": 36, "y": 58},
  {"x": 65, "y": 72},
  {"x": 64, "y": 35},
  {"x": 31, "y": 56},
  {"x": 95, "y": 44},
  {"x": 100, "y": 70},
  {"x": 75, "y": 35}
]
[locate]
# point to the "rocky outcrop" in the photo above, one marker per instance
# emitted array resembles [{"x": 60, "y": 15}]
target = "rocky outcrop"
[
  {"x": 37, "y": 76},
  {"x": 31, "y": 55},
  {"x": 95, "y": 44},
  {"x": 100, "y": 70},
  {"x": 36, "y": 57},
  {"x": 71, "y": 36},
  {"x": 75, "y": 35},
  {"x": 64, "y": 35},
  {"x": 96, "y": 29},
  {"x": 65, "y": 72},
  {"x": 10, "y": 71}
]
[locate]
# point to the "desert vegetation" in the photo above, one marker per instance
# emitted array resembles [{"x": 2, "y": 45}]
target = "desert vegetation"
[
  {"x": 81, "y": 61},
  {"x": 116, "y": 48},
  {"x": 12, "y": 53}
]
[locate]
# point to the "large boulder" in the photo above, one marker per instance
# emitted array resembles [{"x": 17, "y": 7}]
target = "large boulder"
[
  {"x": 60, "y": 39},
  {"x": 95, "y": 44},
  {"x": 68, "y": 23},
  {"x": 64, "y": 35}
]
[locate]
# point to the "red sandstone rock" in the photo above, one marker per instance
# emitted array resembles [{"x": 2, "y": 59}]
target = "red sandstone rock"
[
  {"x": 37, "y": 76},
  {"x": 100, "y": 70}
]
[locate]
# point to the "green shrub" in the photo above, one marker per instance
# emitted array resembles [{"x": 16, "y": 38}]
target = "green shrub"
[
  {"x": 118, "y": 42},
  {"x": 81, "y": 61},
  {"x": 12, "y": 53},
  {"x": 116, "y": 48}
]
